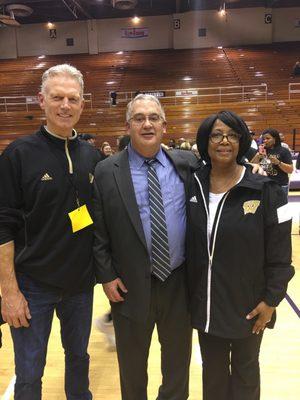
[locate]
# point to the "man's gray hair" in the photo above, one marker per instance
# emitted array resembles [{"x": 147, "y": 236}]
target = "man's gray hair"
[
  {"x": 63, "y": 69},
  {"x": 141, "y": 97}
]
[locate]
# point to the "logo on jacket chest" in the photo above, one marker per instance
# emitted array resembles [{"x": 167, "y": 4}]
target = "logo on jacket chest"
[
  {"x": 46, "y": 177},
  {"x": 251, "y": 206}
]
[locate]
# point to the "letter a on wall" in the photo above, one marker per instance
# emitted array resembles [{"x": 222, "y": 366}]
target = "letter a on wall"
[{"x": 52, "y": 33}]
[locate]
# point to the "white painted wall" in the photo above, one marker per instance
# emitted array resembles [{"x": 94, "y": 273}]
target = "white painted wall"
[
  {"x": 8, "y": 47},
  {"x": 284, "y": 24},
  {"x": 160, "y": 34},
  {"x": 34, "y": 39},
  {"x": 92, "y": 30},
  {"x": 238, "y": 27}
]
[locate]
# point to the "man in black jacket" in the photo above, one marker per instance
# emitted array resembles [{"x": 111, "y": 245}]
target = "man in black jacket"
[{"x": 46, "y": 235}]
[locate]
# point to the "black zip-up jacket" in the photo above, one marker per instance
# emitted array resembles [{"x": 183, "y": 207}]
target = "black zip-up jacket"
[
  {"x": 40, "y": 178},
  {"x": 248, "y": 259}
]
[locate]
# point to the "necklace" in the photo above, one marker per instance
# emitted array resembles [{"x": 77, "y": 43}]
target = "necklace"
[{"x": 220, "y": 184}]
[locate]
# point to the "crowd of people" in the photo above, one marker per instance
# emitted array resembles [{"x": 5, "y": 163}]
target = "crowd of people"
[{"x": 170, "y": 235}]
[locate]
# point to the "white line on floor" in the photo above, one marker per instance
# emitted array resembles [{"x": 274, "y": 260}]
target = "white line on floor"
[{"x": 10, "y": 389}]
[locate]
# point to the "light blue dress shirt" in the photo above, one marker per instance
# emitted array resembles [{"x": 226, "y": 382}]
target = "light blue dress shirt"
[{"x": 173, "y": 195}]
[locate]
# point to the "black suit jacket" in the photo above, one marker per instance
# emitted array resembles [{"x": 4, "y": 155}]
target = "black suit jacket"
[{"x": 120, "y": 246}]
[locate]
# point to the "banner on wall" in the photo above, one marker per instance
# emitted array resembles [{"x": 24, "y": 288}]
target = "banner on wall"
[
  {"x": 32, "y": 100},
  {"x": 155, "y": 93},
  {"x": 186, "y": 92},
  {"x": 134, "y": 33}
]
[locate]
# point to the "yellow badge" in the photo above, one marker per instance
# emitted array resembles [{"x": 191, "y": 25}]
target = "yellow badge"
[
  {"x": 251, "y": 206},
  {"x": 80, "y": 218}
]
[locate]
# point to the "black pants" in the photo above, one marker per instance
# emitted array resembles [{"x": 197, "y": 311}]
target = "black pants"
[
  {"x": 230, "y": 367},
  {"x": 169, "y": 312}
]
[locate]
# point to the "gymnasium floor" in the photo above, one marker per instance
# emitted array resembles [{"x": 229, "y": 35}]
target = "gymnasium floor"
[{"x": 280, "y": 352}]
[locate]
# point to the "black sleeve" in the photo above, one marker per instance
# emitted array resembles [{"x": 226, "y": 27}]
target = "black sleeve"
[
  {"x": 102, "y": 252},
  {"x": 278, "y": 249},
  {"x": 285, "y": 156},
  {"x": 11, "y": 196}
]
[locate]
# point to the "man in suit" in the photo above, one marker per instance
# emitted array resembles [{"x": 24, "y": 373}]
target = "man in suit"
[{"x": 129, "y": 255}]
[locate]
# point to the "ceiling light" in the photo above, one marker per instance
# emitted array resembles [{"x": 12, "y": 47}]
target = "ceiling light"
[
  {"x": 40, "y": 57},
  {"x": 110, "y": 82},
  {"x": 222, "y": 10},
  {"x": 187, "y": 78},
  {"x": 136, "y": 19},
  {"x": 40, "y": 65},
  {"x": 120, "y": 52}
]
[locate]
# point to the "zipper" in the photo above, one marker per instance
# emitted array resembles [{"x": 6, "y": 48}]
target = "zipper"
[
  {"x": 66, "y": 147},
  {"x": 68, "y": 157},
  {"x": 210, "y": 249}
]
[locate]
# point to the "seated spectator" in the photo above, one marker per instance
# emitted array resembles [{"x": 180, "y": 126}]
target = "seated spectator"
[
  {"x": 185, "y": 146},
  {"x": 88, "y": 138},
  {"x": 172, "y": 144},
  {"x": 283, "y": 144},
  {"x": 195, "y": 151},
  {"x": 253, "y": 141},
  {"x": 106, "y": 150},
  {"x": 179, "y": 142},
  {"x": 122, "y": 142}
]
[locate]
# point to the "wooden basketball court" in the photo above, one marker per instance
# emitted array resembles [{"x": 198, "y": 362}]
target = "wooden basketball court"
[{"x": 280, "y": 353}]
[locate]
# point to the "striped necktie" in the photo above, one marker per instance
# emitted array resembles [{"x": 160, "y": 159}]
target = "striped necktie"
[{"x": 159, "y": 234}]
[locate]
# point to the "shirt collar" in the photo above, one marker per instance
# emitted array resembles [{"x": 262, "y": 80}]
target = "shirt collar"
[
  {"x": 74, "y": 134},
  {"x": 138, "y": 161}
]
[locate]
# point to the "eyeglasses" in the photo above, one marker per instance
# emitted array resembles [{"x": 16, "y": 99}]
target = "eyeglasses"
[
  {"x": 140, "y": 119},
  {"x": 219, "y": 137}
]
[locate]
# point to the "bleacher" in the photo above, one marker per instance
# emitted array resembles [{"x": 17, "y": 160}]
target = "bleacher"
[{"x": 161, "y": 70}]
